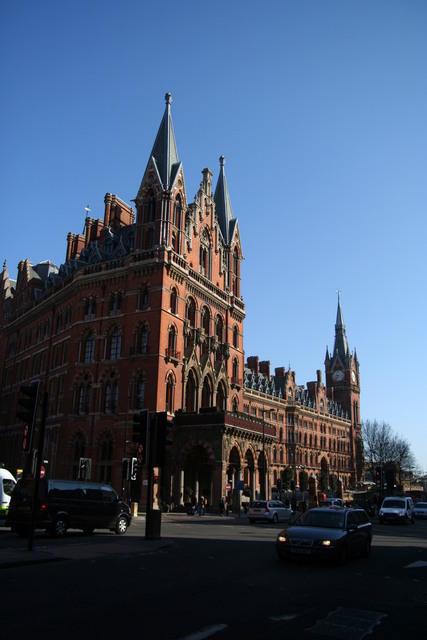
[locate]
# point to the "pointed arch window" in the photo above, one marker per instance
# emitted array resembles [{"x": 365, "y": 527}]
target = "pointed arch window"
[
  {"x": 235, "y": 372},
  {"x": 190, "y": 313},
  {"x": 191, "y": 393},
  {"x": 205, "y": 254},
  {"x": 174, "y": 300},
  {"x": 150, "y": 208},
  {"x": 235, "y": 337},
  {"x": 170, "y": 392},
  {"x": 90, "y": 307},
  {"x": 141, "y": 339},
  {"x": 111, "y": 396},
  {"x": 143, "y": 298},
  {"x": 236, "y": 273},
  {"x": 87, "y": 348},
  {"x": 221, "y": 400},
  {"x": 235, "y": 405},
  {"x": 207, "y": 393},
  {"x": 114, "y": 343},
  {"x": 219, "y": 330},
  {"x": 139, "y": 393},
  {"x": 177, "y": 221}
]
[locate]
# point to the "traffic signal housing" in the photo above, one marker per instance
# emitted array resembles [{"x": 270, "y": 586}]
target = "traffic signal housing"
[
  {"x": 134, "y": 466},
  {"x": 140, "y": 435},
  {"x": 27, "y": 410},
  {"x": 163, "y": 438}
]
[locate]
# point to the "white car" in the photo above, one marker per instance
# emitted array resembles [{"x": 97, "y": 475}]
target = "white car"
[
  {"x": 397, "y": 509},
  {"x": 420, "y": 510},
  {"x": 269, "y": 511}
]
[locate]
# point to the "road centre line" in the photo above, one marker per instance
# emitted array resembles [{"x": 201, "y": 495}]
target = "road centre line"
[{"x": 206, "y": 633}]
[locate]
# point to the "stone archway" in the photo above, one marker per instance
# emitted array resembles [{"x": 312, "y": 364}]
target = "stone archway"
[
  {"x": 197, "y": 475},
  {"x": 233, "y": 467}
]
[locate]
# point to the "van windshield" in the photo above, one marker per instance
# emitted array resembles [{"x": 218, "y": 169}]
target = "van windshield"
[
  {"x": 8, "y": 486},
  {"x": 394, "y": 504}
]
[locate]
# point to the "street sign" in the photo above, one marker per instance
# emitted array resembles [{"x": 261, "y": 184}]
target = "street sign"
[
  {"x": 228, "y": 487},
  {"x": 42, "y": 471}
]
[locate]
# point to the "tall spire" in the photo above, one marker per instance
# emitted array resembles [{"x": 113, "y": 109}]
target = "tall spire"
[
  {"x": 341, "y": 345},
  {"x": 164, "y": 153},
  {"x": 222, "y": 204}
]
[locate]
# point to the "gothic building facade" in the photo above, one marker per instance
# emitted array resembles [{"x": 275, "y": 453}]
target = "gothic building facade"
[{"x": 146, "y": 312}]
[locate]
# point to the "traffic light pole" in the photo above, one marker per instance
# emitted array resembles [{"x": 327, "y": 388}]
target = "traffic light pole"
[
  {"x": 149, "y": 504},
  {"x": 35, "y": 506}
]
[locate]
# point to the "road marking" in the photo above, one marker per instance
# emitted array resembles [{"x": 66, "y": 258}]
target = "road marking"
[
  {"x": 206, "y": 633},
  {"x": 416, "y": 565},
  {"x": 346, "y": 623},
  {"x": 286, "y": 616}
]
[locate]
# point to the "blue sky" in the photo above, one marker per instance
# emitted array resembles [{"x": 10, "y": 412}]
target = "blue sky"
[{"x": 320, "y": 109}]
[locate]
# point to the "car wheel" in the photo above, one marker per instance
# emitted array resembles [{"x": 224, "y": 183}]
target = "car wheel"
[
  {"x": 59, "y": 527},
  {"x": 275, "y": 518},
  {"x": 121, "y": 525}
]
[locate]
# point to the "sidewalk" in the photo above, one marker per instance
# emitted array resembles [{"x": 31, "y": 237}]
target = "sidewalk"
[{"x": 15, "y": 553}]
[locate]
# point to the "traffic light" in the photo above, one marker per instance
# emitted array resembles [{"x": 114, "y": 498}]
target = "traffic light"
[
  {"x": 378, "y": 475},
  {"x": 27, "y": 410},
  {"x": 163, "y": 438},
  {"x": 140, "y": 435},
  {"x": 134, "y": 468}
]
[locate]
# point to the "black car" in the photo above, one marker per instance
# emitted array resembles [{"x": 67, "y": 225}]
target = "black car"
[
  {"x": 327, "y": 533},
  {"x": 67, "y": 504}
]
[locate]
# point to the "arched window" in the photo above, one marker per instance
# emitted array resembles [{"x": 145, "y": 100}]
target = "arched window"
[
  {"x": 170, "y": 389},
  {"x": 171, "y": 350},
  {"x": 207, "y": 393},
  {"x": 83, "y": 396},
  {"x": 219, "y": 329},
  {"x": 141, "y": 339},
  {"x": 235, "y": 337},
  {"x": 115, "y": 302},
  {"x": 281, "y": 456},
  {"x": 274, "y": 455},
  {"x": 173, "y": 300},
  {"x": 236, "y": 274},
  {"x": 205, "y": 254},
  {"x": 87, "y": 348},
  {"x": 111, "y": 396},
  {"x": 114, "y": 343},
  {"x": 177, "y": 219},
  {"x": 280, "y": 434},
  {"x": 143, "y": 298},
  {"x": 139, "y": 393},
  {"x": 191, "y": 393},
  {"x": 221, "y": 400},
  {"x": 235, "y": 372},
  {"x": 150, "y": 208},
  {"x": 90, "y": 306},
  {"x": 190, "y": 312}
]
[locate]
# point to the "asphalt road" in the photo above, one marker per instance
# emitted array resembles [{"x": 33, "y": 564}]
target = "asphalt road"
[{"x": 213, "y": 577}]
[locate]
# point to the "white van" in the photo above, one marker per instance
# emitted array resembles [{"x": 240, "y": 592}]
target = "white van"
[
  {"x": 7, "y": 485},
  {"x": 397, "y": 509}
]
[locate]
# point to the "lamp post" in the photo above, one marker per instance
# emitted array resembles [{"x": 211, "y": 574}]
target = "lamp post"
[{"x": 264, "y": 496}]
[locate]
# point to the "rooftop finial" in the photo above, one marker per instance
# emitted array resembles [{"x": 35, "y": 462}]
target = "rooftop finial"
[
  {"x": 168, "y": 98},
  {"x": 4, "y": 264},
  {"x": 222, "y": 160}
]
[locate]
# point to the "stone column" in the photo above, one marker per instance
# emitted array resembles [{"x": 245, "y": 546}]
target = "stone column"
[{"x": 181, "y": 487}]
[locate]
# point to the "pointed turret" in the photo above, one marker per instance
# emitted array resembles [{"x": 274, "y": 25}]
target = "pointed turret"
[
  {"x": 341, "y": 345},
  {"x": 164, "y": 153},
  {"x": 223, "y": 206}
]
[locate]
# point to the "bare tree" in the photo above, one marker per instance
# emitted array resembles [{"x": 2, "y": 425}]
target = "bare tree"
[{"x": 383, "y": 447}]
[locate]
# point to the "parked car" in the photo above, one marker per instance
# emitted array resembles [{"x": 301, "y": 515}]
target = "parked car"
[
  {"x": 7, "y": 484},
  {"x": 327, "y": 533},
  {"x": 397, "y": 509},
  {"x": 420, "y": 510},
  {"x": 65, "y": 504},
  {"x": 268, "y": 511}
]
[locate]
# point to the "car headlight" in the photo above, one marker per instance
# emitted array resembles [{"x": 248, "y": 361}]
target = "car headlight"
[
  {"x": 282, "y": 538},
  {"x": 326, "y": 543}
]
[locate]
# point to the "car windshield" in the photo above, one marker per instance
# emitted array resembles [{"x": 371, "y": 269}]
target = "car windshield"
[
  {"x": 396, "y": 504},
  {"x": 329, "y": 519},
  {"x": 421, "y": 505},
  {"x": 8, "y": 486},
  {"x": 258, "y": 505}
]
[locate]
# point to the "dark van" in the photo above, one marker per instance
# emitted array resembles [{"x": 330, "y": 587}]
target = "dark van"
[{"x": 65, "y": 504}]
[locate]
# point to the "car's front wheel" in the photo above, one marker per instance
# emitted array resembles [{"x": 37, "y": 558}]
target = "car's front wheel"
[
  {"x": 121, "y": 525},
  {"x": 59, "y": 527},
  {"x": 275, "y": 518}
]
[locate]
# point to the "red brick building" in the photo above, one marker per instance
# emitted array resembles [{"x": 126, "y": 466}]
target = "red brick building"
[{"x": 146, "y": 312}]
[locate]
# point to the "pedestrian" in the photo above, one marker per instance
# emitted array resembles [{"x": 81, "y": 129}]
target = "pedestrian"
[
  {"x": 201, "y": 505},
  {"x": 221, "y": 506},
  {"x": 206, "y": 505}
]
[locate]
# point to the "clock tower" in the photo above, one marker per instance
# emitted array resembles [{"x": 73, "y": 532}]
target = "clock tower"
[{"x": 343, "y": 385}]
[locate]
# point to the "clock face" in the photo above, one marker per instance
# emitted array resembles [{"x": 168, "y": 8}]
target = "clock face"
[
  {"x": 338, "y": 376},
  {"x": 353, "y": 376}
]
